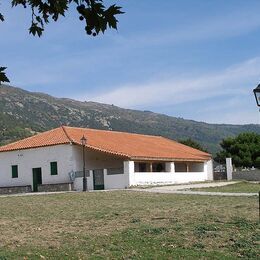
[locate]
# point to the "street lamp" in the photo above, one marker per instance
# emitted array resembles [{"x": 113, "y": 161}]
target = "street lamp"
[
  {"x": 257, "y": 95},
  {"x": 83, "y": 143}
]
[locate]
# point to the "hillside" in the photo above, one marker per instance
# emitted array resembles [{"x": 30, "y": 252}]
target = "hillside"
[{"x": 24, "y": 113}]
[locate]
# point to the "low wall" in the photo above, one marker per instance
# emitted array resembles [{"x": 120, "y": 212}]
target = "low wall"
[
  {"x": 78, "y": 182},
  {"x": 15, "y": 189},
  {"x": 111, "y": 181},
  {"x": 246, "y": 175},
  {"x": 117, "y": 181},
  {"x": 55, "y": 187},
  {"x": 150, "y": 178}
]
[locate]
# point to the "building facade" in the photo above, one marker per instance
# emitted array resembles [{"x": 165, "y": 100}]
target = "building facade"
[{"x": 53, "y": 161}]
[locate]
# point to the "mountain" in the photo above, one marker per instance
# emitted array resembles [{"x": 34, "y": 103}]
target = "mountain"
[{"x": 24, "y": 113}]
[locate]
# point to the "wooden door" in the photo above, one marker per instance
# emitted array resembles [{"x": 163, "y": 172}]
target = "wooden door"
[
  {"x": 98, "y": 179},
  {"x": 37, "y": 178}
]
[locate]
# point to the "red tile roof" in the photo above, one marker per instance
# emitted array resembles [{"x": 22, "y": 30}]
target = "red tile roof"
[{"x": 131, "y": 146}]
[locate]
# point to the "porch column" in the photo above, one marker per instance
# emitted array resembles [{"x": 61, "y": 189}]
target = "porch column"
[
  {"x": 209, "y": 169},
  {"x": 90, "y": 180},
  {"x": 105, "y": 179},
  {"x": 151, "y": 166},
  {"x": 170, "y": 167},
  {"x": 187, "y": 167},
  {"x": 129, "y": 171},
  {"x": 229, "y": 168}
]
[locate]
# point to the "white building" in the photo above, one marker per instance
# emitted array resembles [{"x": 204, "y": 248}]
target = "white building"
[{"x": 53, "y": 160}]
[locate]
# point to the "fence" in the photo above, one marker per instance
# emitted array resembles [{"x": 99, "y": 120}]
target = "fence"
[
  {"x": 248, "y": 175},
  {"x": 219, "y": 171}
]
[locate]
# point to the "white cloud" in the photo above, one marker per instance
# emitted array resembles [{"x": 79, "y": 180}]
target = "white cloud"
[{"x": 237, "y": 80}]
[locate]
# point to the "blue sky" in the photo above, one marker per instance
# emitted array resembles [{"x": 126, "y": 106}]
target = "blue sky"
[{"x": 198, "y": 60}]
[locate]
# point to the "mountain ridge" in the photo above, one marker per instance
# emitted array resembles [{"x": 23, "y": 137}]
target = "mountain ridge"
[{"x": 23, "y": 113}]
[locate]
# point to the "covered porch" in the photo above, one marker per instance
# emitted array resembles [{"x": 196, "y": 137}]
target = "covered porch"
[{"x": 164, "y": 172}]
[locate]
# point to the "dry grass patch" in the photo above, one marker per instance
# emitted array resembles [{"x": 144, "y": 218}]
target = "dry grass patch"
[{"x": 128, "y": 225}]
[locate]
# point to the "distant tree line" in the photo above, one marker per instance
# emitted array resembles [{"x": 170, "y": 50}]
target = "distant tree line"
[
  {"x": 243, "y": 149},
  {"x": 190, "y": 142}
]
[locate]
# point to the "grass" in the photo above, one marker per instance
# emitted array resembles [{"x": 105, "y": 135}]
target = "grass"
[
  {"x": 128, "y": 225},
  {"x": 243, "y": 187}
]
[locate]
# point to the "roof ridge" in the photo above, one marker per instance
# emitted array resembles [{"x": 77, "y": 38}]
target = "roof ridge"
[
  {"x": 67, "y": 135},
  {"x": 112, "y": 131}
]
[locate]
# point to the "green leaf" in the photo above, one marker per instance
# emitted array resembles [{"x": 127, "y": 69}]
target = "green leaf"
[
  {"x": 1, "y": 17},
  {"x": 3, "y": 77},
  {"x": 35, "y": 29},
  {"x": 97, "y": 16}
]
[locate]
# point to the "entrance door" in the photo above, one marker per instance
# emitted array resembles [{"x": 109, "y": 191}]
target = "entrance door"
[
  {"x": 98, "y": 180},
  {"x": 37, "y": 178}
]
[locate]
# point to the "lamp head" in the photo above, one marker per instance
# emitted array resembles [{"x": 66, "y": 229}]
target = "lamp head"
[
  {"x": 257, "y": 95},
  {"x": 83, "y": 140}
]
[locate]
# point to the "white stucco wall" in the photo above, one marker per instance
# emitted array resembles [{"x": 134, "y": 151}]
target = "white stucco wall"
[
  {"x": 94, "y": 160},
  {"x": 129, "y": 170},
  {"x": 117, "y": 181},
  {"x": 68, "y": 158},
  {"x": 98, "y": 160},
  {"x": 148, "y": 178},
  {"x": 78, "y": 183},
  {"x": 36, "y": 158}
]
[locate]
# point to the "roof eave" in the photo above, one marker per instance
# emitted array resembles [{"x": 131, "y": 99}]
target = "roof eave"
[
  {"x": 118, "y": 154},
  {"x": 30, "y": 148},
  {"x": 140, "y": 158}
]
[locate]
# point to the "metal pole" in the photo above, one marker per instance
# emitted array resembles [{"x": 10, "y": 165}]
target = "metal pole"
[{"x": 84, "y": 170}]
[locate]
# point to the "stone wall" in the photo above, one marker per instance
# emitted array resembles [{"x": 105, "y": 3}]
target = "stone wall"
[
  {"x": 55, "y": 187},
  {"x": 15, "y": 189},
  {"x": 246, "y": 175}
]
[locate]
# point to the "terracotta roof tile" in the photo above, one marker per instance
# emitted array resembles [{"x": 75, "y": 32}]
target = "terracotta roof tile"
[
  {"x": 52, "y": 137},
  {"x": 128, "y": 145}
]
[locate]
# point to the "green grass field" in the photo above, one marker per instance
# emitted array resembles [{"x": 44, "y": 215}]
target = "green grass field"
[
  {"x": 128, "y": 225},
  {"x": 247, "y": 187}
]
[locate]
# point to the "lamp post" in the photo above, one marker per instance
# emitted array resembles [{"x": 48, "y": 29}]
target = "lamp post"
[
  {"x": 257, "y": 94},
  {"x": 257, "y": 98},
  {"x": 83, "y": 143}
]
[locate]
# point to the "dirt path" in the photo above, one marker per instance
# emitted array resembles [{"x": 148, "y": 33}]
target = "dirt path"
[
  {"x": 185, "y": 189},
  {"x": 174, "y": 189},
  {"x": 194, "y": 185}
]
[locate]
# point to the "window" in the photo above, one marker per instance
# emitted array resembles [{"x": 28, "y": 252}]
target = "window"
[
  {"x": 113, "y": 171},
  {"x": 54, "y": 168},
  {"x": 158, "y": 167},
  {"x": 14, "y": 171},
  {"x": 140, "y": 167}
]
